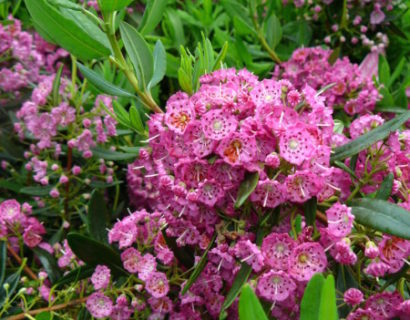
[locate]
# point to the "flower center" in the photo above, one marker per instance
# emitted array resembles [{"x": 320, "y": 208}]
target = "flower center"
[
  {"x": 217, "y": 125},
  {"x": 276, "y": 280},
  {"x": 303, "y": 258},
  {"x": 293, "y": 144}
]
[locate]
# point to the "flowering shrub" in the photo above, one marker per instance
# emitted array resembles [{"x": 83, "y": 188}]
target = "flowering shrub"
[{"x": 273, "y": 184}]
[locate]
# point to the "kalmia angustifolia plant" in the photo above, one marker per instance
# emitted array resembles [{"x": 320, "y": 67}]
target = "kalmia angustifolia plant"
[{"x": 238, "y": 159}]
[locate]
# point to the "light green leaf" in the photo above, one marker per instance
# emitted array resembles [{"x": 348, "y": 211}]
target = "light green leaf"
[
  {"x": 384, "y": 70},
  {"x": 383, "y": 216},
  {"x": 56, "y": 86},
  {"x": 273, "y": 31},
  {"x": 309, "y": 307},
  {"x": 397, "y": 71},
  {"x": 246, "y": 188},
  {"x": 139, "y": 53},
  {"x": 249, "y": 306},
  {"x": 369, "y": 138},
  {"x": 152, "y": 15},
  {"x": 103, "y": 85},
  {"x": 160, "y": 64},
  {"x": 111, "y": 155},
  {"x": 67, "y": 28},
  {"x": 113, "y": 5},
  {"x": 328, "y": 308},
  {"x": 135, "y": 120}
]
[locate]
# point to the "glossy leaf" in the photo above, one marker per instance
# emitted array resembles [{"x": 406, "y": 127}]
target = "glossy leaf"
[
  {"x": 160, "y": 64},
  {"x": 366, "y": 140},
  {"x": 386, "y": 187},
  {"x": 139, "y": 53},
  {"x": 70, "y": 35},
  {"x": 273, "y": 31},
  {"x": 75, "y": 275},
  {"x": 3, "y": 260},
  {"x": 97, "y": 216},
  {"x": 309, "y": 307},
  {"x": 36, "y": 190},
  {"x": 49, "y": 263},
  {"x": 310, "y": 211},
  {"x": 250, "y": 307},
  {"x": 111, "y": 155},
  {"x": 121, "y": 114},
  {"x": 246, "y": 188},
  {"x": 113, "y": 5},
  {"x": 328, "y": 308},
  {"x": 382, "y": 216},
  {"x": 344, "y": 280},
  {"x": 199, "y": 267},
  {"x": 101, "y": 84},
  {"x": 152, "y": 15},
  {"x": 94, "y": 252}
]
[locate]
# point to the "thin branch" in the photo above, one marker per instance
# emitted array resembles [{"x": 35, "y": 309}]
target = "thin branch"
[{"x": 16, "y": 257}]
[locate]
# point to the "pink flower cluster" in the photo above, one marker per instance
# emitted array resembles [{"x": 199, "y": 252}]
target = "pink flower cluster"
[
  {"x": 23, "y": 57},
  {"x": 352, "y": 90},
  {"x": 15, "y": 221}
]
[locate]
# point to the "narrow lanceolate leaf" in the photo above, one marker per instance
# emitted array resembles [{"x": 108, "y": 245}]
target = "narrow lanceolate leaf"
[
  {"x": 386, "y": 187},
  {"x": 220, "y": 57},
  {"x": 309, "y": 307},
  {"x": 250, "y": 307},
  {"x": 139, "y": 53},
  {"x": 63, "y": 29},
  {"x": 184, "y": 255},
  {"x": 49, "y": 263},
  {"x": 3, "y": 260},
  {"x": 199, "y": 267},
  {"x": 328, "y": 308},
  {"x": 97, "y": 217},
  {"x": 113, "y": 5},
  {"x": 56, "y": 86},
  {"x": 152, "y": 15},
  {"x": 75, "y": 275},
  {"x": 382, "y": 216},
  {"x": 111, "y": 155},
  {"x": 94, "y": 252},
  {"x": 369, "y": 138},
  {"x": 101, "y": 84},
  {"x": 135, "y": 120},
  {"x": 12, "y": 281},
  {"x": 160, "y": 64},
  {"x": 246, "y": 188}
]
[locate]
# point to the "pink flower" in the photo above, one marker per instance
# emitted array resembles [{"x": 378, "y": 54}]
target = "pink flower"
[
  {"x": 306, "y": 260},
  {"x": 353, "y": 296},
  {"x": 377, "y": 268},
  {"x": 384, "y": 305},
  {"x": 277, "y": 249},
  {"x": 210, "y": 192},
  {"x": 275, "y": 286},
  {"x": 296, "y": 145},
  {"x": 237, "y": 149},
  {"x": 156, "y": 284},
  {"x": 340, "y": 220},
  {"x": 32, "y": 234},
  {"x": 9, "y": 210},
  {"x": 377, "y": 16},
  {"x": 101, "y": 277},
  {"x": 362, "y": 314},
  {"x": 268, "y": 193},
  {"x": 249, "y": 253},
  {"x": 131, "y": 259},
  {"x": 371, "y": 251},
  {"x": 99, "y": 305},
  {"x": 217, "y": 124},
  {"x": 302, "y": 186},
  {"x": 179, "y": 113}
]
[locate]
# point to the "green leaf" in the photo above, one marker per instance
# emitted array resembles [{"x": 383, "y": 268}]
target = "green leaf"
[
  {"x": 310, "y": 211},
  {"x": 160, "y": 64},
  {"x": 220, "y": 57},
  {"x": 62, "y": 29},
  {"x": 382, "y": 216},
  {"x": 113, "y": 5},
  {"x": 139, "y": 53},
  {"x": 9, "y": 185},
  {"x": 3, "y": 260},
  {"x": 199, "y": 267},
  {"x": 111, "y": 155},
  {"x": 344, "y": 281},
  {"x": 273, "y": 31},
  {"x": 309, "y": 307},
  {"x": 246, "y": 188},
  {"x": 36, "y": 191},
  {"x": 334, "y": 56},
  {"x": 184, "y": 255},
  {"x": 101, "y": 84},
  {"x": 75, "y": 275},
  {"x": 152, "y": 15},
  {"x": 94, "y": 252},
  {"x": 250, "y": 307},
  {"x": 13, "y": 281},
  {"x": 385, "y": 187},
  {"x": 344, "y": 167},
  {"x": 45, "y": 315},
  {"x": 369, "y": 138},
  {"x": 397, "y": 71},
  {"x": 122, "y": 114},
  {"x": 49, "y": 263},
  {"x": 135, "y": 120},
  {"x": 56, "y": 86},
  {"x": 97, "y": 216},
  {"x": 384, "y": 70},
  {"x": 328, "y": 308}
]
